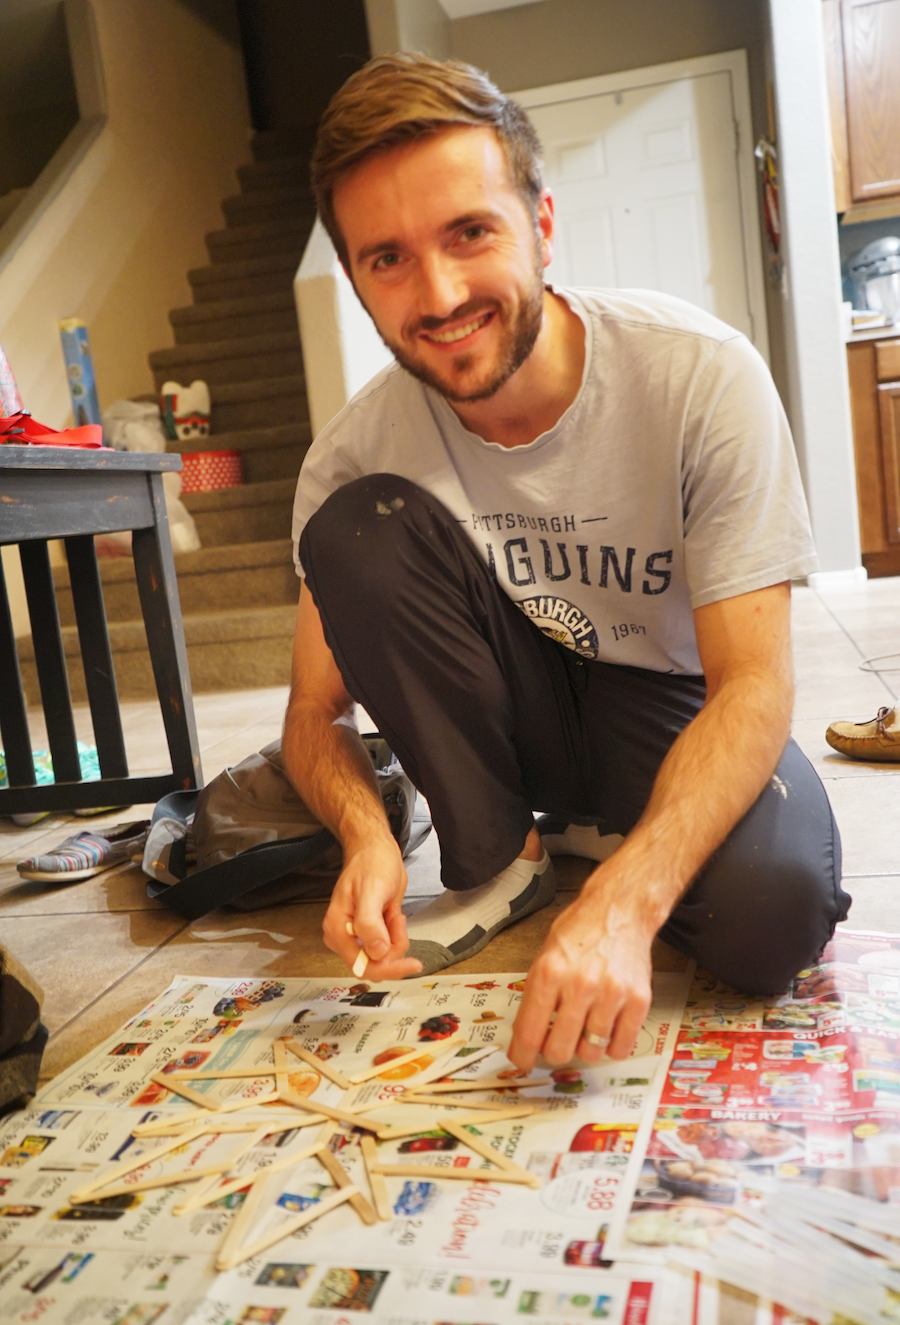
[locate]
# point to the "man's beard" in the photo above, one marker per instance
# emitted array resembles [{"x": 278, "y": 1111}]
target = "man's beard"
[{"x": 517, "y": 343}]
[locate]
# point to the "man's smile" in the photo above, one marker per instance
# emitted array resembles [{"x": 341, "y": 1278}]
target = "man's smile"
[{"x": 458, "y": 333}]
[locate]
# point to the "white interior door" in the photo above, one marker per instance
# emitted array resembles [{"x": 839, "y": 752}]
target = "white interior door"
[{"x": 646, "y": 183}]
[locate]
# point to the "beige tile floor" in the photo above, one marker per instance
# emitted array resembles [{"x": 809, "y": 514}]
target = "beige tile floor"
[{"x": 102, "y": 949}]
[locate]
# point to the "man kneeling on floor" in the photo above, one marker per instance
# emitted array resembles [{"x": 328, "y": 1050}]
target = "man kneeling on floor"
[{"x": 550, "y": 551}]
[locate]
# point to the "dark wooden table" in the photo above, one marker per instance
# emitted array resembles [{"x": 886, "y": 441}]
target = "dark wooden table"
[{"x": 61, "y": 492}]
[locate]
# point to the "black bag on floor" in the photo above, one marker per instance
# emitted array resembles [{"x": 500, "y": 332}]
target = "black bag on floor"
[
  {"x": 22, "y": 1034},
  {"x": 256, "y": 843}
]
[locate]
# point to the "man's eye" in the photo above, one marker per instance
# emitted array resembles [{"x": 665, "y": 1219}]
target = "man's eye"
[
  {"x": 473, "y": 232},
  {"x": 386, "y": 260}
]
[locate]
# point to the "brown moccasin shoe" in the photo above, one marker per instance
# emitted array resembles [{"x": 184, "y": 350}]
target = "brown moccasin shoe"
[{"x": 878, "y": 739}]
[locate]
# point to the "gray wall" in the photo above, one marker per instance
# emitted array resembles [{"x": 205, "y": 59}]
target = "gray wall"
[{"x": 561, "y": 40}]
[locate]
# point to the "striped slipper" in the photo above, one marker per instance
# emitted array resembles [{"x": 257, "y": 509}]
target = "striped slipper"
[{"x": 86, "y": 854}]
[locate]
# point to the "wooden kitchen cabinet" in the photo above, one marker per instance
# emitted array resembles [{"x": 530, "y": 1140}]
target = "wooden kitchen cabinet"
[
  {"x": 862, "y": 57},
  {"x": 889, "y": 409},
  {"x": 874, "y": 371}
]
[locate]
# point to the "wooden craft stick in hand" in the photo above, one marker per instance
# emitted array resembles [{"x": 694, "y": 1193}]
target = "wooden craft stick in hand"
[
  {"x": 377, "y": 1184},
  {"x": 359, "y": 966}
]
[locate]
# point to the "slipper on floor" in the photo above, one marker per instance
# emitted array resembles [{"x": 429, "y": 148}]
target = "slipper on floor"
[{"x": 86, "y": 854}]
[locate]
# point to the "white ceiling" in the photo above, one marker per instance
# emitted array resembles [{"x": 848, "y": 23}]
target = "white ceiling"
[{"x": 465, "y": 8}]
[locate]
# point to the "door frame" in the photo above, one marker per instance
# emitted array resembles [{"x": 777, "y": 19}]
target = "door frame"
[{"x": 730, "y": 62}]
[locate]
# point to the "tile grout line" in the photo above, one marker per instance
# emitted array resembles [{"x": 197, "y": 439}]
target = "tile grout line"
[
  {"x": 842, "y": 627},
  {"x": 115, "y": 984}
]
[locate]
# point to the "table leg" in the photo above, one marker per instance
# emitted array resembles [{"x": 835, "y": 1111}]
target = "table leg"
[
  {"x": 13, "y": 717},
  {"x": 50, "y": 660},
  {"x": 154, "y": 567},
  {"x": 96, "y": 655}
]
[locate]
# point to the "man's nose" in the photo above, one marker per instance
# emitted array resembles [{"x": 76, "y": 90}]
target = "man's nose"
[{"x": 443, "y": 287}]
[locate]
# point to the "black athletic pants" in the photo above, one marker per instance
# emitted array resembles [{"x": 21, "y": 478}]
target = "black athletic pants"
[{"x": 492, "y": 720}]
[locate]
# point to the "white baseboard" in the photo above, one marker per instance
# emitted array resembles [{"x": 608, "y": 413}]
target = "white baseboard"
[{"x": 827, "y": 581}]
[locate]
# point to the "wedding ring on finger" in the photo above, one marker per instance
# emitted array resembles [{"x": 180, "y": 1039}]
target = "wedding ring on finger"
[{"x": 597, "y": 1041}]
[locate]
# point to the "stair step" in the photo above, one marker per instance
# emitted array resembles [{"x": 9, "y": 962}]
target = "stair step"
[
  {"x": 243, "y": 514},
  {"x": 260, "y": 403},
  {"x": 241, "y": 575},
  {"x": 230, "y": 319},
  {"x": 243, "y": 208},
  {"x": 271, "y": 174},
  {"x": 238, "y": 360},
  {"x": 245, "y": 277},
  {"x": 239, "y": 649},
  {"x": 271, "y": 144},
  {"x": 259, "y": 239},
  {"x": 267, "y": 453},
  {"x": 243, "y": 496}
]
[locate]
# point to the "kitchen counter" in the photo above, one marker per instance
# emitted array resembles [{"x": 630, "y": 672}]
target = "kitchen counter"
[{"x": 876, "y": 333}]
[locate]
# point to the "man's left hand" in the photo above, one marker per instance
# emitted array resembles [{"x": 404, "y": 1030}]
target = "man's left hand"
[{"x": 592, "y": 974}]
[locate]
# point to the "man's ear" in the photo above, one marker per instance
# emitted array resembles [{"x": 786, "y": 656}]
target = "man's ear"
[{"x": 546, "y": 226}]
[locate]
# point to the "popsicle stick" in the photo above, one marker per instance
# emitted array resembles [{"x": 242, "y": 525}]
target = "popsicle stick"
[
  {"x": 342, "y": 1179},
  {"x": 196, "y": 1198},
  {"x": 285, "y": 1229},
  {"x": 177, "y": 1179},
  {"x": 490, "y": 1083},
  {"x": 211, "y": 1074},
  {"x": 279, "y": 1053},
  {"x": 481, "y": 1147},
  {"x": 318, "y": 1065},
  {"x": 138, "y": 1162},
  {"x": 428, "y": 1173},
  {"x": 245, "y": 1179},
  {"x": 325, "y": 1111},
  {"x": 439, "y": 1068},
  {"x": 475, "y": 1057},
  {"x": 191, "y": 1201},
  {"x": 377, "y": 1184},
  {"x": 366, "y": 1075},
  {"x": 180, "y": 1088},
  {"x": 451, "y": 1102},
  {"x": 359, "y": 966},
  {"x": 158, "y": 1126},
  {"x": 388, "y": 1133},
  {"x": 242, "y": 1219}
]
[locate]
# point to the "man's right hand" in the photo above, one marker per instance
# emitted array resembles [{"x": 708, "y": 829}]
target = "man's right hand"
[{"x": 368, "y": 896}]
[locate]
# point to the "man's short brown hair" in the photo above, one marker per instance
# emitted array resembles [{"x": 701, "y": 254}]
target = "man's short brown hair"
[{"x": 399, "y": 98}]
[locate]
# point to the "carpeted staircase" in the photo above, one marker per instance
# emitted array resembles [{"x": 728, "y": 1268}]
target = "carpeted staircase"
[{"x": 239, "y": 592}]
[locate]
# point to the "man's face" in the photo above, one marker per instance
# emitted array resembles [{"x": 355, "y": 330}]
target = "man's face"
[{"x": 447, "y": 259}]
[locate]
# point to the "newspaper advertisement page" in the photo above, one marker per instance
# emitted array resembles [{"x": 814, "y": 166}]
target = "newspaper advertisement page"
[
  {"x": 287, "y": 1288},
  {"x": 576, "y": 1145},
  {"x": 88, "y": 1287},
  {"x": 803, "y": 1088}
]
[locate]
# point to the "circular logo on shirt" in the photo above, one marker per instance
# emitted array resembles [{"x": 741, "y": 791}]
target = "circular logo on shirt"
[{"x": 563, "y": 622}]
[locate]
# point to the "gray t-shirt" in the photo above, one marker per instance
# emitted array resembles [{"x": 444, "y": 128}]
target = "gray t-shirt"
[{"x": 670, "y": 482}]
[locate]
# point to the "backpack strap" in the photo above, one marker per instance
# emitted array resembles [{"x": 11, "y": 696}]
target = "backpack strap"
[{"x": 217, "y": 885}]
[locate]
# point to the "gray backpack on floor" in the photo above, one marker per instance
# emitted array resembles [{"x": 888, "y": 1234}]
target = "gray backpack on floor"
[{"x": 255, "y": 841}]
